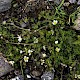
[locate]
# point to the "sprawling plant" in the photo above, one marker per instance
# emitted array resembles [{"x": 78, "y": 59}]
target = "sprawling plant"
[{"x": 46, "y": 43}]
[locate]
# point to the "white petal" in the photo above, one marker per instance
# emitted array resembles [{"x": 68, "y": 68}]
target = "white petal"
[{"x": 28, "y": 76}]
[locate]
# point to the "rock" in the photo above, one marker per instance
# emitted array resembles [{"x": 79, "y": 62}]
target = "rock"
[
  {"x": 57, "y": 1},
  {"x": 5, "y": 5},
  {"x": 4, "y": 66},
  {"x": 77, "y": 21},
  {"x": 17, "y": 72},
  {"x": 36, "y": 74},
  {"x": 72, "y": 1},
  {"x": 77, "y": 26},
  {"x": 20, "y": 77},
  {"x": 27, "y": 70},
  {"x": 48, "y": 76},
  {"x": 78, "y": 2},
  {"x": 23, "y": 25}
]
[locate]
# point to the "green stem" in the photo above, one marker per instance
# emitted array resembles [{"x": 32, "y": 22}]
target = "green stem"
[
  {"x": 21, "y": 68},
  {"x": 61, "y": 4},
  {"x": 20, "y": 43},
  {"x": 57, "y": 8}
]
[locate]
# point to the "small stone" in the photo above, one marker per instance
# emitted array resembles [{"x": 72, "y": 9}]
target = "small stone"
[
  {"x": 17, "y": 72},
  {"x": 77, "y": 21},
  {"x": 78, "y": 2},
  {"x": 77, "y": 26},
  {"x": 35, "y": 73},
  {"x": 72, "y": 1},
  {"x": 5, "y": 5},
  {"x": 21, "y": 77},
  {"x": 27, "y": 71},
  {"x": 23, "y": 25},
  {"x": 57, "y": 1},
  {"x": 48, "y": 76},
  {"x": 4, "y": 66}
]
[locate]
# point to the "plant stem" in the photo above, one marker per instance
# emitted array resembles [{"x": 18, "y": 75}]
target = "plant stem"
[
  {"x": 61, "y": 4},
  {"x": 59, "y": 7},
  {"x": 21, "y": 68},
  {"x": 61, "y": 75},
  {"x": 21, "y": 43}
]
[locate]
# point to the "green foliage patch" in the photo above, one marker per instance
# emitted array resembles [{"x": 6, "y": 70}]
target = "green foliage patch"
[{"x": 45, "y": 43}]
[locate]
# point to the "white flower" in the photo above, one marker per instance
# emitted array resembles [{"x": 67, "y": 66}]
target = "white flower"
[
  {"x": 56, "y": 42},
  {"x": 4, "y": 22},
  {"x": 21, "y": 51},
  {"x": 28, "y": 76},
  {"x": 35, "y": 30},
  {"x": 35, "y": 40},
  {"x": 19, "y": 38},
  {"x": 49, "y": 78},
  {"x": 30, "y": 51},
  {"x": 11, "y": 62},
  {"x": 52, "y": 32},
  {"x": 15, "y": 5},
  {"x": 70, "y": 68},
  {"x": 54, "y": 22},
  {"x": 13, "y": 79},
  {"x": 28, "y": 29},
  {"x": 75, "y": 75},
  {"x": 78, "y": 76},
  {"x": 42, "y": 61},
  {"x": 1, "y": 37},
  {"x": 16, "y": 78},
  {"x": 26, "y": 58},
  {"x": 43, "y": 55},
  {"x": 44, "y": 48},
  {"x": 57, "y": 49},
  {"x": 64, "y": 65},
  {"x": 47, "y": 7}
]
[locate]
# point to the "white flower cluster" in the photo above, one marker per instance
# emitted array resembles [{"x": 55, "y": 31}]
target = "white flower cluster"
[
  {"x": 35, "y": 40},
  {"x": 19, "y": 38},
  {"x": 11, "y": 62},
  {"x": 44, "y": 55},
  {"x": 57, "y": 49},
  {"x": 77, "y": 76},
  {"x": 42, "y": 61},
  {"x": 30, "y": 52},
  {"x": 26, "y": 58}
]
